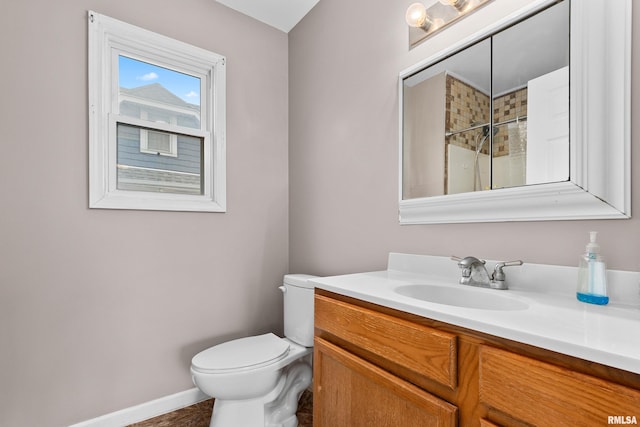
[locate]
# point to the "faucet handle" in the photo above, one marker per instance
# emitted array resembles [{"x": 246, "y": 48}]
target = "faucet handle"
[{"x": 498, "y": 274}]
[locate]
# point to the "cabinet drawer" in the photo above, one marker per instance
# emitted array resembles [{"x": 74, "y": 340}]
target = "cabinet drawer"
[
  {"x": 425, "y": 351},
  {"x": 539, "y": 393}
]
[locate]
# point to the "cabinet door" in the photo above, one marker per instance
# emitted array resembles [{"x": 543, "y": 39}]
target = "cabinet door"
[
  {"x": 350, "y": 392},
  {"x": 541, "y": 394}
]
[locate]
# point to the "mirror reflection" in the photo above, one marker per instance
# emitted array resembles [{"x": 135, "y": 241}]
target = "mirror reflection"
[{"x": 493, "y": 115}]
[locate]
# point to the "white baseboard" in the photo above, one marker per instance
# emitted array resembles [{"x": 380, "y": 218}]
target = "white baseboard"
[{"x": 147, "y": 410}]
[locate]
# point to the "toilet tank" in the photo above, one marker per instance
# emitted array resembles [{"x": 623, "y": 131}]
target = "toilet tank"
[{"x": 298, "y": 308}]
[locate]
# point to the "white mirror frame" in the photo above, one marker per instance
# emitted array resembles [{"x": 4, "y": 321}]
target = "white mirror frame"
[{"x": 600, "y": 131}]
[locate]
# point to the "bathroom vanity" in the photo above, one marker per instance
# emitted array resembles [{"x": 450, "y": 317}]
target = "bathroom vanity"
[{"x": 383, "y": 359}]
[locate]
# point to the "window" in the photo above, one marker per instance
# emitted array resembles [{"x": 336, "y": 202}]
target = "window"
[
  {"x": 156, "y": 121},
  {"x": 160, "y": 143}
]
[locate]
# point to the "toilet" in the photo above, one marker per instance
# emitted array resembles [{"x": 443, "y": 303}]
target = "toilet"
[{"x": 257, "y": 381}]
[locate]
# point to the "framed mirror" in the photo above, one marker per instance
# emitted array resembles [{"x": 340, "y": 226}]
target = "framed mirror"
[{"x": 528, "y": 120}]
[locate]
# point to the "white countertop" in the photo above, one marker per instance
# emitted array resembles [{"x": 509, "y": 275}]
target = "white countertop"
[{"x": 554, "y": 320}]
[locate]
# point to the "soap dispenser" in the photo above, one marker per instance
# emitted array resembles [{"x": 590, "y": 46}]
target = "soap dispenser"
[{"x": 592, "y": 275}]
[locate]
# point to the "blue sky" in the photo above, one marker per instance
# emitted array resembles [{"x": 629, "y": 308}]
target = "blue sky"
[{"x": 134, "y": 73}]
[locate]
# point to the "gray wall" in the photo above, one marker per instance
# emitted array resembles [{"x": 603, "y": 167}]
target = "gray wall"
[
  {"x": 344, "y": 61},
  {"x": 102, "y": 310}
]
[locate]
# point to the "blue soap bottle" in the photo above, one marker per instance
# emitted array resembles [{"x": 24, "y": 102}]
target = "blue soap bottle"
[{"x": 592, "y": 275}]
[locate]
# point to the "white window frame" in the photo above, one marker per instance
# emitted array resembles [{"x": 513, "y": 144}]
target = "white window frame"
[{"x": 110, "y": 38}]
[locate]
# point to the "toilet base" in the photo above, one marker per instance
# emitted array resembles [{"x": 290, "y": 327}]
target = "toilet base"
[
  {"x": 276, "y": 409},
  {"x": 237, "y": 413}
]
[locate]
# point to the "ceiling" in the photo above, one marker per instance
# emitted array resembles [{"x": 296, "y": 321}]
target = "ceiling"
[{"x": 281, "y": 14}]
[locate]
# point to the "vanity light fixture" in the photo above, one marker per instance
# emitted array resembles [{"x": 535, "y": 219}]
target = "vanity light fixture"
[
  {"x": 425, "y": 20},
  {"x": 458, "y": 4},
  {"x": 417, "y": 17}
]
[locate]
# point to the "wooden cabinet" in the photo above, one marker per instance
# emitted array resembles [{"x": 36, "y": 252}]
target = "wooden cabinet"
[
  {"x": 369, "y": 366},
  {"x": 376, "y": 366},
  {"x": 351, "y": 392},
  {"x": 539, "y": 393},
  {"x": 404, "y": 345}
]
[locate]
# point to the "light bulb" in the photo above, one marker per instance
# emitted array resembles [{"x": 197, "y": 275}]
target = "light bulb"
[
  {"x": 437, "y": 23},
  {"x": 416, "y": 16},
  {"x": 458, "y": 4}
]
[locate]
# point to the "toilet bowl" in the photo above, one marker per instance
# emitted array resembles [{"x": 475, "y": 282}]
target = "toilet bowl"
[{"x": 257, "y": 381}]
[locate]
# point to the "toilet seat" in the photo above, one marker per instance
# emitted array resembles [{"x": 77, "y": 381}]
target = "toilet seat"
[{"x": 241, "y": 354}]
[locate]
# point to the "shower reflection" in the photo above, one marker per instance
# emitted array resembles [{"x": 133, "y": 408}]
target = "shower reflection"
[{"x": 493, "y": 115}]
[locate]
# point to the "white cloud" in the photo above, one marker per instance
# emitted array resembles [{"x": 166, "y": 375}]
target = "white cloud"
[
  {"x": 192, "y": 94},
  {"x": 147, "y": 77}
]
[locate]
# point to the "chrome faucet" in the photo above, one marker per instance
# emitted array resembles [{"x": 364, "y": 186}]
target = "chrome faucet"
[{"x": 474, "y": 273}]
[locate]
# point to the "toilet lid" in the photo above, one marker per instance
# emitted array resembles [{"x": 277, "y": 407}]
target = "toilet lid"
[{"x": 250, "y": 352}]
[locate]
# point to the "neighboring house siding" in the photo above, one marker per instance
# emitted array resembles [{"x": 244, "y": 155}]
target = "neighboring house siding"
[
  {"x": 188, "y": 160},
  {"x": 154, "y": 180},
  {"x": 130, "y": 108},
  {"x": 178, "y": 170}
]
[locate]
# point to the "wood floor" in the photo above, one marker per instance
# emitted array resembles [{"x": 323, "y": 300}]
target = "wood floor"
[
  {"x": 305, "y": 410},
  {"x": 199, "y": 415}
]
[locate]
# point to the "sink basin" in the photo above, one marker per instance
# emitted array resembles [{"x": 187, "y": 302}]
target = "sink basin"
[{"x": 462, "y": 296}]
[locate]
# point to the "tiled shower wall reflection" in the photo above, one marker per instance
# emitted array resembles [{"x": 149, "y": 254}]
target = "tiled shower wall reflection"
[
  {"x": 467, "y": 106},
  {"x": 510, "y": 107}
]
